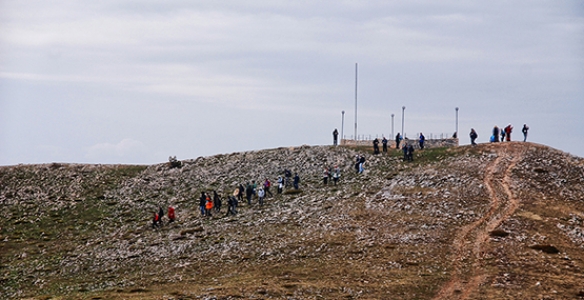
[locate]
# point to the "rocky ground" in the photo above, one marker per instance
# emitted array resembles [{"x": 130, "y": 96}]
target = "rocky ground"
[{"x": 496, "y": 221}]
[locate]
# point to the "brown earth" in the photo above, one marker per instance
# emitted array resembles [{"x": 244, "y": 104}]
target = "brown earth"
[{"x": 495, "y": 221}]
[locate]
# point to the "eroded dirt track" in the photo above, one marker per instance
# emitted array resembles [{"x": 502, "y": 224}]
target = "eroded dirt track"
[{"x": 469, "y": 243}]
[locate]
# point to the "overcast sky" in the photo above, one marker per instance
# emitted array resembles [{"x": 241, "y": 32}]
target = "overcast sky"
[{"x": 119, "y": 81}]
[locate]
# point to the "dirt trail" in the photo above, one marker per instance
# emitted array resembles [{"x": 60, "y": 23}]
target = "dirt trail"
[{"x": 469, "y": 243}]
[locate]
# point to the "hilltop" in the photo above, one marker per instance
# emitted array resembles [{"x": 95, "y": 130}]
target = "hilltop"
[{"x": 495, "y": 221}]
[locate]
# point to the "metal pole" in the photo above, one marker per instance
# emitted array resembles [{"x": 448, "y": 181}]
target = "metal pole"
[
  {"x": 342, "y": 124},
  {"x": 402, "y": 132},
  {"x": 456, "y": 122},
  {"x": 355, "y": 101},
  {"x": 391, "y": 126}
]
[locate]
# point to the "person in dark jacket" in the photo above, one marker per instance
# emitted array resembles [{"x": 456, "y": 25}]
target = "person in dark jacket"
[
  {"x": 248, "y": 193},
  {"x": 398, "y": 139},
  {"x": 473, "y": 136},
  {"x": 216, "y": 201},
  {"x": 384, "y": 143},
  {"x": 524, "y": 130},
  {"x": 241, "y": 191},
  {"x": 422, "y": 140},
  {"x": 160, "y": 215},
  {"x": 410, "y": 153},
  {"x": 296, "y": 180},
  {"x": 231, "y": 205},
  {"x": 376, "y": 146},
  {"x": 495, "y": 134},
  {"x": 202, "y": 202}
]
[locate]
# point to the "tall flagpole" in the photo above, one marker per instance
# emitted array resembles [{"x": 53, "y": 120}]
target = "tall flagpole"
[{"x": 355, "y": 101}]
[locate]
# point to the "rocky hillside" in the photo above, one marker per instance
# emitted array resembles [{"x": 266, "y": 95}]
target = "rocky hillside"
[{"x": 495, "y": 221}]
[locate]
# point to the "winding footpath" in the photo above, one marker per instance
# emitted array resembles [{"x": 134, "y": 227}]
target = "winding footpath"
[{"x": 469, "y": 243}]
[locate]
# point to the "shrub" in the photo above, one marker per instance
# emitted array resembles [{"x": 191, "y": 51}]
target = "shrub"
[{"x": 173, "y": 162}]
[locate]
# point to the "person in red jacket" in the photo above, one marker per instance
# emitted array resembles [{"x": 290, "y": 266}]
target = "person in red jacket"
[
  {"x": 208, "y": 206},
  {"x": 171, "y": 215},
  {"x": 508, "y": 130},
  {"x": 155, "y": 220}
]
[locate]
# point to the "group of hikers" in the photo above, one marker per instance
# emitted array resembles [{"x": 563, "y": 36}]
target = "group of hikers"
[
  {"x": 250, "y": 191},
  {"x": 157, "y": 219},
  {"x": 504, "y": 133},
  {"x": 335, "y": 175},
  {"x": 408, "y": 149},
  {"x": 212, "y": 204}
]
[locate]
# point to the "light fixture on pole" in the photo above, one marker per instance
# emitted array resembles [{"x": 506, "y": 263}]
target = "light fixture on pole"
[
  {"x": 392, "y": 125},
  {"x": 355, "y": 101},
  {"x": 456, "y": 132},
  {"x": 402, "y": 132},
  {"x": 342, "y": 124}
]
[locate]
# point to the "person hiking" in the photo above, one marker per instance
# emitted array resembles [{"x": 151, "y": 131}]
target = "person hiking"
[
  {"x": 171, "y": 216},
  {"x": 216, "y": 201},
  {"x": 287, "y": 176},
  {"x": 335, "y": 137},
  {"x": 524, "y": 130},
  {"x": 296, "y": 180},
  {"x": 267, "y": 185},
  {"x": 410, "y": 152},
  {"x": 422, "y": 140},
  {"x": 261, "y": 195},
  {"x": 280, "y": 184},
  {"x": 160, "y": 214},
  {"x": 202, "y": 202},
  {"x": 330, "y": 174},
  {"x": 236, "y": 192},
  {"x": 241, "y": 191},
  {"x": 398, "y": 139},
  {"x": 336, "y": 174},
  {"x": 361, "y": 164},
  {"x": 155, "y": 221},
  {"x": 508, "y": 131},
  {"x": 325, "y": 176},
  {"x": 208, "y": 206},
  {"x": 231, "y": 204},
  {"x": 502, "y": 135},
  {"x": 376, "y": 146},
  {"x": 495, "y": 137},
  {"x": 248, "y": 193},
  {"x": 405, "y": 151},
  {"x": 384, "y": 144},
  {"x": 473, "y": 136}
]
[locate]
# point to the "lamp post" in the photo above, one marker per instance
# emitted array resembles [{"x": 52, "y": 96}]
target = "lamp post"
[
  {"x": 402, "y": 132},
  {"x": 392, "y": 125},
  {"x": 342, "y": 124},
  {"x": 456, "y": 132},
  {"x": 355, "y": 101}
]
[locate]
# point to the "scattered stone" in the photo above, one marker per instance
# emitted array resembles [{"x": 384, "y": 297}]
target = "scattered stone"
[
  {"x": 549, "y": 249},
  {"x": 499, "y": 233}
]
